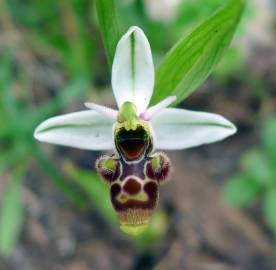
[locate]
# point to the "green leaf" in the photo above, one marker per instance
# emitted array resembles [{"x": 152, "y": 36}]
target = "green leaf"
[
  {"x": 257, "y": 167},
  {"x": 97, "y": 191},
  {"x": 109, "y": 26},
  {"x": 241, "y": 191},
  {"x": 191, "y": 60},
  {"x": 269, "y": 139},
  {"x": 11, "y": 215},
  {"x": 269, "y": 208}
]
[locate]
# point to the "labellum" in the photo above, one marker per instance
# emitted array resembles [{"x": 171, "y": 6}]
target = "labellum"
[{"x": 134, "y": 173}]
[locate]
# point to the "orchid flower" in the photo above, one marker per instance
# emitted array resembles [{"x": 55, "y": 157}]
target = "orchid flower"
[{"x": 134, "y": 170}]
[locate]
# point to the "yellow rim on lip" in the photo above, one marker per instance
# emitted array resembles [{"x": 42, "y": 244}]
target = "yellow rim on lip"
[{"x": 134, "y": 230}]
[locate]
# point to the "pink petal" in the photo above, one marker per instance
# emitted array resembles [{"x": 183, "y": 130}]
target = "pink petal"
[
  {"x": 111, "y": 113},
  {"x": 149, "y": 113}
]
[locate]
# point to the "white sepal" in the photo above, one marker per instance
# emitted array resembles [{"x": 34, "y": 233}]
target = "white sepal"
[
  {"x": 180, "y": 129},
  {"x": 133, "y": 70},
  {"x": 85, "y": 130}
]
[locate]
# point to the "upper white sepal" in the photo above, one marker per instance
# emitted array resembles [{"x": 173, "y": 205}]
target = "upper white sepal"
[{"x": 133, "y": 70}]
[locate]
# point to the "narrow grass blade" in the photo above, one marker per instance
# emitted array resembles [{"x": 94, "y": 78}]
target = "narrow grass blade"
[{"x": 109, "y": 26}]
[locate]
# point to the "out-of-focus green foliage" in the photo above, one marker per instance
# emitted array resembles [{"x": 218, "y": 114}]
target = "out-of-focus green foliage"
[
  {"x": 257, "y": 180},
  {"x": 64, "y": 26},
  {"x": 18, "y": 149},
  {"x": 232, "y": 63},
  {"x": 11, "y": 213},
  {"x": 17, "y": 143},
  {"x": 269, "y": 208},
  {"x": 156, "y": 230},
  {"x": 241, "y": 190},
  {"x": 269, "y": 140}
]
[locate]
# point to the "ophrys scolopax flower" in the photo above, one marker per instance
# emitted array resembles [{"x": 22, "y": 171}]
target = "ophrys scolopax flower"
[{"x": 134, "y": 170}]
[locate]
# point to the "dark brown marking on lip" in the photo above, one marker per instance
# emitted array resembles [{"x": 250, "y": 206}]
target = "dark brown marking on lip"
[
  {"x": 135, "y": 211},
  {"x": 151, "y": 189},
  {"x": 114, "y": 191},
  {"x": 132, "y": 186}
]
